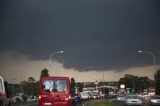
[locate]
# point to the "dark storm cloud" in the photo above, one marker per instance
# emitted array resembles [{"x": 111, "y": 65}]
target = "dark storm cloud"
[{"x": 103, "y": 34}]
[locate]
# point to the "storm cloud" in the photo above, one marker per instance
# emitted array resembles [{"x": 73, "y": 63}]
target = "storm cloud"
[{"x": 99, "y": 33}]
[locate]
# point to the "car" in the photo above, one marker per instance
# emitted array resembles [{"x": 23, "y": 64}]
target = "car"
[
  {"x": 121, "y": 98},
  {"x": 155, "y": 100},
  {"x": 133, "y": 100},
  {"x": 85, "y": 96},
  {"x": 4, "y": 100},
  {"x": 17, "y": 99},
  {"x": 77, "y": 98},
  {"x": 95, "y": 95},
  {"x": 55, "y": 91}
]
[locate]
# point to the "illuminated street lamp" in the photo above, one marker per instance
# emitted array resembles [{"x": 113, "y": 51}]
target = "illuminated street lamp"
[{"x": 50, "y": 57}]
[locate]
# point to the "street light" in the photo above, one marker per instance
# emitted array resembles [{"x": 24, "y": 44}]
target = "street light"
[
  {"x": 103, "y": 77},
  {"x": 82, "y": 77},
  {"x": 148, "y": 52},
  {"x": 50, "y": 57}
]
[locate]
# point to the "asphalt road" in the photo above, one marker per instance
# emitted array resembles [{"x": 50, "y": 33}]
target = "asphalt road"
[
  {"x": 35, "y": 103},
  {"x": 145, "y": 103},
  {"x": 122, "y": 104}
]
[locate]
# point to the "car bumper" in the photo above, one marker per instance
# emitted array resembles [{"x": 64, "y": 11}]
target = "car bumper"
[{"x": 155, "y": 104}]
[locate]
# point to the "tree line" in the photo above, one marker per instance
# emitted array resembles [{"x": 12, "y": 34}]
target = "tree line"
[
  {"x": 138, "y": 84},
  {"x": 135, "y": 83}
]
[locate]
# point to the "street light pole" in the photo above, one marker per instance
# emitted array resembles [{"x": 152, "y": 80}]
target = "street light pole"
[
  {"x": 50, "y": 57},
  {"x": 148, "y": 52},
  {"x": 154, "y": 60},
  {"x": 82, "y": 77},
  {"x": 103, "y": 77}
]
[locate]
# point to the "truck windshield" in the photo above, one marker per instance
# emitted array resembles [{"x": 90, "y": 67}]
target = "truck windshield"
[{"x": 54, "y": 85}]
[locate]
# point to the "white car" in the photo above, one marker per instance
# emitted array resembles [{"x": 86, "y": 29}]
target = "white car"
[
  {"x": 95, "y": 95},
  {"x": 121, "y": 98},
  {"x": 85, "y": 96},
  {"x": 133, "y": 100},
  {"x": 155, "y": 100}
]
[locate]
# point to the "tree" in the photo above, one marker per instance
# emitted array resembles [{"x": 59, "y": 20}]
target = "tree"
[
  {"x": 80, "y": 86},
  {"x": 143, "y": 83},
  {"x": 31, "y": 79},
  {"x": 101, "y": 83},
  {"x": 106, "y": 91},
  {"x": 157, "y": 82},
  {"x": 44, "y": 73},
  {"x": 136, "y": 83},
  {"x": 73, "y": 84},
  {"x": 128, "y": 80},
  {"x": 30, "y": 87},
  {"x": 6, "y": 89}
]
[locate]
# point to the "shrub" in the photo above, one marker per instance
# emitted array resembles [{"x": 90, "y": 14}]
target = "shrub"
[{"x": 18, "y": 100}]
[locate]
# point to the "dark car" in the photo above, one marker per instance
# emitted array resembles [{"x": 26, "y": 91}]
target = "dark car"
[{"x": 77, "y": 98}]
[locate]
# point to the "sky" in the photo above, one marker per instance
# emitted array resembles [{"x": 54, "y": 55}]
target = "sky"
[{"x": 96, "y": 36}]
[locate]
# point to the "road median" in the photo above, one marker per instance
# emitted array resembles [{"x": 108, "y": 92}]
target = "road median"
[{"x": 100, "y": 103}]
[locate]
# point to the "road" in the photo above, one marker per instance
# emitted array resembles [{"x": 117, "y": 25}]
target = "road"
[
  {"x": 122, "y": 104},
  {"x": 35, "y": 103},
  {"x": 145, "y": 103}
]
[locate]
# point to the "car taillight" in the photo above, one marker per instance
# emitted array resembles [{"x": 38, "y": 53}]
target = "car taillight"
[
  {"x": 39, "y": 97},
  {"x": 2, "y": 96},
  {"x": 67, "y": 98},
  {"x": 42, "y": 96}
]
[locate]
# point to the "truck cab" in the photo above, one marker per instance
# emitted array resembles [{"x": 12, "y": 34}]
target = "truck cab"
[{"x": 3, "y": 96}]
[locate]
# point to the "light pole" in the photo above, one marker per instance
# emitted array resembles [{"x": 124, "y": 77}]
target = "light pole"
[
  {"x": 150, "y": 53},
  {"x": 50, "y": 57},
  {"x": 82, "y": 77},
  {"x": 103, "y": 77}
]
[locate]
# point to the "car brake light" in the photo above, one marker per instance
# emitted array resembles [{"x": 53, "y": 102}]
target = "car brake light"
[
  {"x": 39, "y": 97},
  {"x": 42, "y": 96},
  {"x": 68, "y": 98}
]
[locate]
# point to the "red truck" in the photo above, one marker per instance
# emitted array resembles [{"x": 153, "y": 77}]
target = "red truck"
[{"x": 4, "y": 101}]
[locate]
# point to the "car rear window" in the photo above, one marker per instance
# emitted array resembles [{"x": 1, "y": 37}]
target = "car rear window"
[{"x": 54, "y": 85}]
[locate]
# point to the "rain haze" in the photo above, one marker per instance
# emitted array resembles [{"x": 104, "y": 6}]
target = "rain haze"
[{"x": 96, "y": 36}]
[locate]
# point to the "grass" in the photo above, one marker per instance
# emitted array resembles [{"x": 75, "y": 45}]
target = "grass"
[{"x": 100, "y": 103}]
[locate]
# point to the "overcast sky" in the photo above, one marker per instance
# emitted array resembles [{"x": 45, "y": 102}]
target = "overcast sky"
[{"x": 100, "y": 34}]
